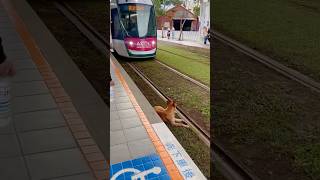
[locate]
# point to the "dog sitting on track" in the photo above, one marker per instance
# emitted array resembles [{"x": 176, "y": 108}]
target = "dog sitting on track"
[{"x": 168, "y": 114}]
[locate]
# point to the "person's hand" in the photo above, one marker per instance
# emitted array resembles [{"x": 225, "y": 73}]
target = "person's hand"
[{"x": 7, "y": 69}]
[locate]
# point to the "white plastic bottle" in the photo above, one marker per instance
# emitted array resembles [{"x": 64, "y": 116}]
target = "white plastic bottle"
[{"x": 5, "y": 101}]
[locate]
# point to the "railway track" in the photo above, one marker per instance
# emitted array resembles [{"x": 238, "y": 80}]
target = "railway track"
[
  {"x": 223, "y": 160},
  {"x": 101, "y": 43},
  {"x": 269, "y": 62}
]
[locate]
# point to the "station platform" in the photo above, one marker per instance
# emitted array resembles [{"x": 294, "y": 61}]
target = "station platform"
[
  {"x": 186, "y": 43},
  {"x": 48, "y": 136},
  {"x": 142, "y": 146}
]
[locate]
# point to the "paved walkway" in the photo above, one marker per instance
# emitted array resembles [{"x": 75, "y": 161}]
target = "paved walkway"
[
  {"x": 128, "y": 137},
  {"x": 46, "y": 138},
  {"x": 186, "y": 43},
  {"x": 130, "y": 144}
]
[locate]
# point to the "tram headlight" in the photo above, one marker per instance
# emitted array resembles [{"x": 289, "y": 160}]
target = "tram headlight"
[
  {"x": 153, "y": 43},
  {"x": 130, "y": 43}
]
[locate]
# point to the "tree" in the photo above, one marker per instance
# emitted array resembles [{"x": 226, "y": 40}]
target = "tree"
[
  {"x": 160, "y": 5},
  {"x": 196, "y": 10},
  {"x": 175, "y": 2}
]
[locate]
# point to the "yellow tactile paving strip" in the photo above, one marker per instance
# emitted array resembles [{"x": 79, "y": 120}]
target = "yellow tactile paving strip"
[
  {"x": 88, "y": 147},
  {"x": 164, "y": 155}
]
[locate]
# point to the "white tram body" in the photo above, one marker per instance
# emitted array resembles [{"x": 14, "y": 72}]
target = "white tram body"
[{"x": 133, "y": 28}]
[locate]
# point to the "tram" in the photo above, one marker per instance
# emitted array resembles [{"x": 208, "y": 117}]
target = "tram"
[{"x": 133, "y": 28}]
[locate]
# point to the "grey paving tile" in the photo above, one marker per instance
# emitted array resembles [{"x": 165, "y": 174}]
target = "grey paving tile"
[
  {"x": 130, "y": 122},
  {"x": 56, "y": 164},
  {"x": 13, "y": 47},
  {"x": 7, "y": 34},
  {"x": 39, "y": 120},
  {"x": 140, "y": 148},
  {"x": 13, "y": 169},
  {"x": 122, "y": 100},
  {"x": 113, "y": 107},
  {"x": 33, "y": 103},
  {"x": 6, "y": 26},
  {"x": 123, "y": 106},
  {"x": 121, "y": 93},
  {"x": 6, "y": 127},
  {"x": 117, "y": 137},
  {"x": 114, "y": 126},
  {"x": 114, "y": 116},
  {"x": 3, "y": 12},
  {"x": 18, "y": 55},
  {"x": 12, "y": 37},
  {"x": 119, "y": 153},
  {"x": 21, "y": 65},
  {"x": 85, "y": 176},
  {"x": 29, "y": 88},
  {"x": 135, "y": 133},
  {"x": 27, "y": 75},
  {"x": 127, "y": 113},
  {"x": 9, "y": 146},
  {"x": 46, "y": 140}
]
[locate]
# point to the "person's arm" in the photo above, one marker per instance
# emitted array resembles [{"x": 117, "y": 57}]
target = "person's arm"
[
  {"x": 6, "y": 67},
  {"x": 2, "y": 54}
]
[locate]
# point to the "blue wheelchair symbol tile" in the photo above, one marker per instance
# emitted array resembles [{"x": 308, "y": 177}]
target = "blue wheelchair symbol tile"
[
  {"x": 137, "y": 162},
  {"x": 164, "y": 177},
  {"x": 154, "y": 157},
  {"x": 146, "y": 159},
  {"x": 127, "y": 164},
  {"x": 148, "y": 167}
]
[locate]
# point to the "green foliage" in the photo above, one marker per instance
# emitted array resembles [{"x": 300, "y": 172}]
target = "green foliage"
[
  {"x": 175, "y": 2},
  {"x": 196, "y": 10},
  {"x": 160, "y": 5}
]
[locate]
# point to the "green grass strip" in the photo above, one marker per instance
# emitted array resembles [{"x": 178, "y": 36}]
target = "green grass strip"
[
  {"x": 287, "y": 30},
  {"x": 196, "y": 69}
]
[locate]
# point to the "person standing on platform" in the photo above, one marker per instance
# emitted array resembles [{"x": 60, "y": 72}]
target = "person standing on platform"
[
  {"x": 6, "y": 67},
  {"x": 172, "y": 33},
  {"x": 6, "y": 71},
  {"x": 205, "y": 34}
]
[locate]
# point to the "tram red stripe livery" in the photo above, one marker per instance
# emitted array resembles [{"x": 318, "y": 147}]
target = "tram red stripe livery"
[{"x": 141, "y": 44}]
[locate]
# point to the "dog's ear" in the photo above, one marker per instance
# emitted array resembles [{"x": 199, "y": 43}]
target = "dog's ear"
[{"x": 174, "y": 104}]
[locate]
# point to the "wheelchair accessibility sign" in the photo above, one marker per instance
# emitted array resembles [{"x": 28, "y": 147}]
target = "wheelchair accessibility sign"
[{"x": 143, "y": 168}]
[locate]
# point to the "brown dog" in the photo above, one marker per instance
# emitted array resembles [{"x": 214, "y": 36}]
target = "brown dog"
[{"x": 168, "y": 114}]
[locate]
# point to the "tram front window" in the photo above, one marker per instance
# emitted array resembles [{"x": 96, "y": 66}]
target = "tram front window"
[{"x": 138, "y": 20}]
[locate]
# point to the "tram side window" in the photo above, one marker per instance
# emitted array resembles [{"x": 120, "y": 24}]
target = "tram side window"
[{"x": 115, "y": 27}]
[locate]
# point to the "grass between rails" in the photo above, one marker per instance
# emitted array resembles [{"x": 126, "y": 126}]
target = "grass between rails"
[
  {"x": 186, "y": 60},
  {"x": 191, "y": 98},
  {"x": 196, "y": 149},
  {"x": 270, "y": 122},
  {"x": 287, "y": 30}
]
